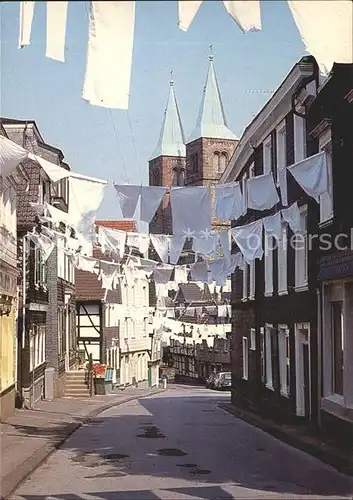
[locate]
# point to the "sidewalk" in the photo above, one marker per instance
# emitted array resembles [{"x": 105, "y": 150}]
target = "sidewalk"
[
  {"x": 30, "y": 436},
  {"x": 301, "y": 438}
]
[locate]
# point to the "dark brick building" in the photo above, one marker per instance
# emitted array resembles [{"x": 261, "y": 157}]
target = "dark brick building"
[
  {"x": 275, "y": 300},
  {"x": 331, "y": 124}
]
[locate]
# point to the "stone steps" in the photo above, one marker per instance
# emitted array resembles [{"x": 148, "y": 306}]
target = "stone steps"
[{"x": 76, "y": 385}]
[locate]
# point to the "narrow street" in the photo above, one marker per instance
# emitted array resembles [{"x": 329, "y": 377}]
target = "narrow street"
[{"x": 179, "y": 445}]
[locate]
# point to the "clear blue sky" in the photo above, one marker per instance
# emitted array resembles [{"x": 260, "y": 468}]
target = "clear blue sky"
[{"x": 248, "y": 66}]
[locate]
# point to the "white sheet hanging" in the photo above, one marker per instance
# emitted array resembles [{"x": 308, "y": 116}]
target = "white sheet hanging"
[
  {"x": 191, "y": 210},
  {"x": 138, "y": 240},
  {"x": 112, "y": 240},
  {"x": 228, "y": 201},
  {"x": 10, "y": 156},
  {"x": 249, "y": 240},
  {"x": 181, "y": 274},
  {"x": 225, "y": 242},
  {"x": 26, "y": 18},
  {"x": 109, "y": 55},
  {"x": 219, "y": 270},
  {"x": 86, "y": 195},
  {"x": 262, "y": 193},
  {"x": 161, "y": 290},
  {"x": 236, "y": 260},
  {"x": 54, "y": 172},
  {"x": 326, "y": 28},
  {"x": 246, "y": 13},
  {"x": 56, "y": 29},
  {"x": 151, "y": 198},
  {"x": 85, "y": 263},
  {"x": 57, "y": 216},
  {"x": 107, "y": 275},
  {"x": 176, "y": 245},
  {"x": 128, "y": 197},
  {"x": 162, "y": 274},
  {"x": 161, "y": 245},
  {"x": 199, "y": 272},
  {"x": 273, "y": 225},
  {"x": 204, "y": 245},
  {"x": 187, "y": 10},
  {"x": 45, "y": 244},
  {"x": 292, "y": 216},
  {"x": 311, "y": 174},
  {"x": 129, "y": 275},
  {"x": 222, "y": 311}
]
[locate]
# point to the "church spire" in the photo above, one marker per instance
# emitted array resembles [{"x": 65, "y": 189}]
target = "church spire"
[
  {"x": 211, "y": 122},
  {"x": 171, "y": 140}
]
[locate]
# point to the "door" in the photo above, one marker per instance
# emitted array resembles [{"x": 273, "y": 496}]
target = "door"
[{"x": 306, "y": 381}]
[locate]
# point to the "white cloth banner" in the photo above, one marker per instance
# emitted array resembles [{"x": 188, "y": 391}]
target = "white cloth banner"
[
  {"x": 262, "y": 193},
  {"x": 161, "y": 245},
  {"x": 199, "y": 272},
  {"x": 228, "y": 201},
  {"x": 187, "y": 10},
  {"x": 225, "y": 242},
  {"x": 180, "y": 274},
  {"x": 10, "y": 156},
  {"x": 54, "y": 172},
  {"x": 246, "y": 13},
  {"x": 176, "y": 245},
  {"x": 57, "y": 216},
  {"x": 151, "y": 198},
  {"x": 236, "y": 260},
  {"x": 56, "y": 29},
  {"x": 139, "y": 241},
  {"x": 112, "y": 240},
  {"x": 292, "y": 216},
  {"x": 26, "y": 18},
  {"x": 273, "y": 225},
  {"x": 204, "y": 246},
  {"x": 249, "y": 240},
  {"x": 84, "y": 263},
  {"x": 86, "y": 195},
  {"x": 45, "y": 244},
  {"x": 128, "y": 197},
  {"x": 109, "y": 55},
  {"x": 191, "y": 210},
  {"x": 107, "y": 275},
  {"x": 326, "y": 28},
  {"x": 219, "y": 270},
  {"x": 162, "y": 274},
  {"x": 311, "y": 174}
]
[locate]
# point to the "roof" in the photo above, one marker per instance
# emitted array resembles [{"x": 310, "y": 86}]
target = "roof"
[
  {"x": 190, "y": 292},
  {"x": 121, "y": 225},
  {"x": 171, "y": 141},
  {"x": 88, "y": 287},
  {"x": 211, "y": 122}
]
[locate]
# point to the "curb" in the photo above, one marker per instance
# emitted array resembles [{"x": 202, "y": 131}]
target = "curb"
[
  {"x": 340, "y": 462},
  {"x": 13, "y": 480}
]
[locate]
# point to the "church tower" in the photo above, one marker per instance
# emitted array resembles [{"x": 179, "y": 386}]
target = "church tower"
[
  {"x": 167, "y": 164},
  {"x": 211, "y": 143}
]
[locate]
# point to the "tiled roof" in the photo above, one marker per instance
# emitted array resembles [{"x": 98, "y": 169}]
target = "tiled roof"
[
  {"x": 88, "y": 287},
  {"x": 121, "y": 225}
]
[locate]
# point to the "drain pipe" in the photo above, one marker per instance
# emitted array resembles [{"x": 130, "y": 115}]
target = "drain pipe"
[{"x": 319, "y": 354}]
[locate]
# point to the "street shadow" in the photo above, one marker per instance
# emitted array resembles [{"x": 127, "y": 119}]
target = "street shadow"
[{"x": 190, "y": 438}]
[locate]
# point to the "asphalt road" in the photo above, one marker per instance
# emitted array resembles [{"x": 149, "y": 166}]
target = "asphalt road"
[{"x": 179, "y": 445}]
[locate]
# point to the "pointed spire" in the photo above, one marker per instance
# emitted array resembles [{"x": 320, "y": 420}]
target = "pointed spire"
[
  {"x": 211, "y": 121},
  {"x": 171, "y": 140}
]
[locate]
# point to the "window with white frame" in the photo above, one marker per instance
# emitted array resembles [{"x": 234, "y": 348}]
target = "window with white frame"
[
  {"x": 337, "y": 342},
  {"x": 268, "y": 356},
  {"x": 269, "y": 246},
  {"x": 246, "y": 271},
  {"x": 262, "y": 354},
  {"x": 282, "y": 261},
  {"x": 40, "y": 269},
  {"x": 244, "y": 192},
  {"x": 127, "y": 328},
  {"x": 267, "y": 155},
  {"x": 245, "y": 359},
  {"x": 37, "y": 346},
  {"x": 252, "y": 280},
  {"x": 284, "y": 359},
  {"x": 326, "y": 199},
  {"x": 301, "y": 252},
  {"x": 133, "y": 329},
  {"x": 299, "y": 137},
  {"x": 252, "y": 339},
  {"x": 282, "y": 161}
]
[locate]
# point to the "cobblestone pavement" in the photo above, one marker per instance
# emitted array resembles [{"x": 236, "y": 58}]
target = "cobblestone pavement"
[{"x": 179, "y": 445}]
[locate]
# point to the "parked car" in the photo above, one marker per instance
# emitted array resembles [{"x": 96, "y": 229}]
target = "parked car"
[
  {"x": 210, "y": 381},
  {"x": 223, "y": 381}
]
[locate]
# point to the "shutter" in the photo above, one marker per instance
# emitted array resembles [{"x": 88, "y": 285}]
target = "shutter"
[
  {"x": 290, "y": 138},
  {"x": 274, "y": 154},
  {"x": 275, "y": 359},
  {"x": 275, "y": 270},
  {"x": 290, "y": 261},
  {"x": 259, "y": 160}
]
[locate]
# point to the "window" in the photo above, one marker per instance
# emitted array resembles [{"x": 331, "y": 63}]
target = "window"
[
  {"x": 268, "y": 265},
  {"x": 282, "y": 261},
  {"x": 244, "y": 192},
  {"x": 216, "y": 162},
  {"x": 127, "y": 329},
  {"x": 37, "y": 346},
  {"x": 223, "y": 160},
  {"x": 252, "y": 280},
  {"x": 299, "y": 137},
  {"x": 267, "y": 155},
  {"x": 178, "y": 177},
  {"x": 326, "y": 200},
  {"x": 252, "y": 339},
  {"x": 262, "y": 354},
  {"x": 245, "y": 359},
  {"x": 245, "y": 280},
  {"x": 40, "y": 269},
  {"x": 338, "y": 345},
  {"x": 284, "y": 359},
  {"x": 301, "y": 252},
  {"x": 194, "y": 161},
  {"x": 268, "y": 357},
  {"x": 133, "y": 329},
  {"x": 282, "y": 162}
]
